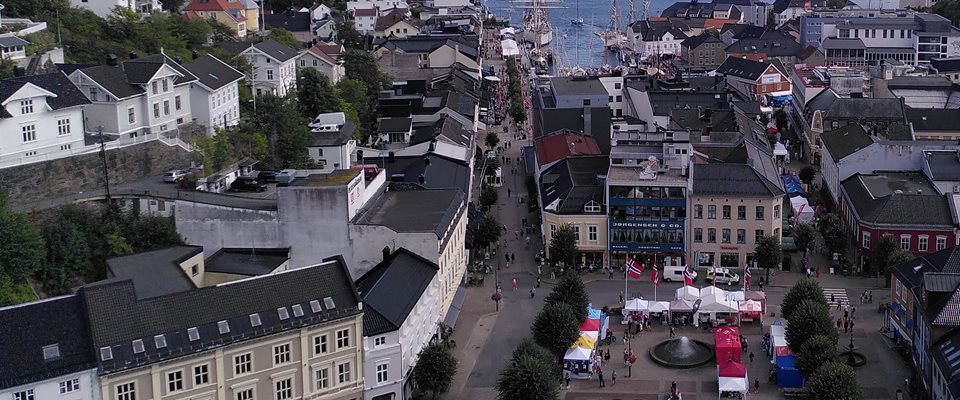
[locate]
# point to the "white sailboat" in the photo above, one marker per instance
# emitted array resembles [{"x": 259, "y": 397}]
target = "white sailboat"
[{"x": 578, "y": 21}]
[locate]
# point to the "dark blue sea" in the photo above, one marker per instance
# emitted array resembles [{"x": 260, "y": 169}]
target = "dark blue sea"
[{"x": 596, "y": 18}]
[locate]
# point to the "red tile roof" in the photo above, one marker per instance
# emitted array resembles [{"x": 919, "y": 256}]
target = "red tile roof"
[
  {"x": 332, "y": 50},
  {"x": 562, "y": 145},
  {"x": 365, "y": 12},
  {"x": 318, "y": 50},
  {"x": 213, "y": 5},
  {"x": 716, "y": 23}
]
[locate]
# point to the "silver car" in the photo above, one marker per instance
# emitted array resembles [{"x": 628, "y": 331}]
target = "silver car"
[{"x": 174, "y": 176}]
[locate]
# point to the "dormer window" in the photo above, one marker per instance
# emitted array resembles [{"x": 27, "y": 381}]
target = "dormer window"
[
  {"x": 297, "y": 310},
  {"x": 592, "y": 207},
  {"x": 26, "y": 106},
  {"x": 51, "y": 352},
  {"x": 283, "y": 314}
]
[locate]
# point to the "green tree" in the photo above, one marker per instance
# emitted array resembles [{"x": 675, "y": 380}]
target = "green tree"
[
  {"x": 805, "y": 235},
  {"x": 247, "y": 142},
  {"x": 315, "y": 94},
  {"x": 285, "y": 38},
  {"x": 529, "y": 377},
  {"x": 488, "y": 232},
  {"x": 354, "y": 93},
  {"x": 571, "y": 291},
  {"x": 22, "y": 250},
  {"x": 349, "y": 36},
  {"x": 8, "y": 69},
  {"x": 807, "y": 174},
  {"x": 217, "y": 150},
  {"x": 34, "y": 9},
  {"x": 805, "y": 289},
  {"x": 435, "y": 369},
  {"x": 14, "y": 293},
  {"x": 834, "y": 381},
  {"x": 527, "y": 347},
  {"x": 817, "y": 351},
  {"x": 173, "y": 6},
  {"x": 563, "y": 246},
  {"x": 286, "y": 130},
  {"x": 886, "y": 246},
  {"x": 67, "y": 260},
  {"x": 898, "y": 257},
  {"x": 768, "y": 253},
  {"x": 764, "y": 119},
  {"x": 831, "y": 229},
  {"x": 150, "y": 232},
  {"x": 771, "y": 21},
  {"x": 488, "y": 196},
  {"x": 809, "y": 319},
  {"x": 492, "y": 140},
  {"x": 220, "y": 32},
  {"x": 556, "y": 328},
  {"x": 491, "y": 166}
]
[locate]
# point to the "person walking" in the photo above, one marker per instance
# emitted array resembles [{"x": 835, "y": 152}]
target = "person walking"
[
  {"x": 756, "y": 384},
  {"x": 600, "y": 376},
  {"x": 508, "y": 192},
  {"x": 833, "y": 298},
  {"x": 567, "y": 380},
  {"x": 533, "y": 292},
  {"x": 613, "y": 377},
  {"x": 751, "y": 357},
  {"x": 538, "y": 281},
  {"x": 514, "y": 285}
]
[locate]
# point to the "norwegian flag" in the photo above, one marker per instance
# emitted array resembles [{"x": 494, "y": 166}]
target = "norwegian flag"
[
  {"x": 687, "y": 276},
  {"x": 655, "y": 276},
  {"x": 747, "y": 275},
  {"x": 632, "y": 269}
]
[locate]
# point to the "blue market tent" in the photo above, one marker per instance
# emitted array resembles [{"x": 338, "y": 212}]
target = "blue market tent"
[
  {"x": 792, "y": 184},
  {"x": 788, "y": 376}
]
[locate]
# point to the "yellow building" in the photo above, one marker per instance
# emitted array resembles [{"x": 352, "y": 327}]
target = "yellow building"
[
  {"x": 242, "y": 16},
  {"x": 571, "y": 193}
]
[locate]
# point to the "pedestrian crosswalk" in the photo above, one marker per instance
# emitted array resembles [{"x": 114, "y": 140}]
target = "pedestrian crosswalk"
[{"x": 836, "y": 296}]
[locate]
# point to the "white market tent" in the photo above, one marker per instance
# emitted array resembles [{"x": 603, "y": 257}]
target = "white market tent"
[
  {"x": 688, "y": 293},
  {"x": 509, "y": 48},
  {"x": 802, "y": 209},
  {"x": 736, "y": 296},
  {"x": 733, "y": 384},
  {"x": 778, "y": 330},
  {"x": 635, "y": 305},
  {"x": 707, "y": 291},
  {"x": 658, "y": 306},
  {"x": 715, "y": 305},
  {"x": 780, "y": 150},
  {"x": 508, "y": 31}
]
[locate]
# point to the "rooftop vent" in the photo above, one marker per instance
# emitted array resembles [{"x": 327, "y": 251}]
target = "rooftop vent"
[
  {"x": 106, "y": 353},
  {"x": 328, "y": 303},
  {"x": 297, "y": 310}
]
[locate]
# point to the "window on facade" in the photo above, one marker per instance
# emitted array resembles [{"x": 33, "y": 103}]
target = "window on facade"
[
  {"x": 586, "y": 102},
  {"x": 29, "y": 133},
  {"x": 379, "y": 341},
  {"x": 322, "y": 377},
  {"x": 343, "y": 338},
  {"x": 319, "y": 344},
  {"x": 741, "y": 213},
  {"x": 93, "y": 94},
  {"x": 69, "y": 385},
  {"x": 174, "y": 381},
  {"x": 270, "y": 74},
  {"x": 26, "y": 106},
  {"x": 865, "y": 240},
  {"x": 591, "y": 207},
  {"x": 156, "y": 110},
  {"x": 131, "y": 115},
  {"x": 741, "y": 236},
  {"x": 698, "y": 235},
  {"x": 553, "y": 230},
  {"x": 698, "y": 211},
  {"x": 711, "y": 212},
  {"x": 616, "y": 85},
  {"x": 343, "y": 373},
  {"x": 165, "y": 87},
  {"x": 592, "y": 233},
  {"x": 760, "y": 213},
  {"x": 576, "y": 231},
  {"x": 63, "y": 126},
  {"x": 245, "y": 394},
  {"x": 922, "y": 243},
  {"x": 284, "y": 389},
  {"x": 941, "y": 243},
  {"x": 125, "y": 391},
  {"x": 281, "y": 354},
  {"x": 166, "y": 107},
  {"x": 776, "y": 211},
  {"x": 711, "y": 235},
  {"x": 24, "y": 395},
  {"x": 726, "y": 212},
  {"x": 176, "y": 103},
  {"x": 201, "y": 375},
  {"x": 757, "y": 235},
  {"x": 153, "y": 87},
  {"x": 905, "y": 242},
  {"x": 242, "y": 364},
  {"x": 725, "y": 236},
  {"x": 382, "y": 372}
]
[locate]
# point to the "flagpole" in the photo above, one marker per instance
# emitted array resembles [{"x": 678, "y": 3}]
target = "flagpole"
[{"x": 626, "y": 272}]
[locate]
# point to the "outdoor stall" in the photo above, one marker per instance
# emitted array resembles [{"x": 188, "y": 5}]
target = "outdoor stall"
[
  {"x": 682, "y": 310},
  {"x": 714, "y": 308},
  {"x": 751, "y": 310},
  {"x": 711, "y": 291},
  {"x": 578, "y": 362},
  {"x": 736, "y": 296},
  {"x": 733, "y": 378},
  {"x": 659, "y": 309},
  {"x": 802, "y": 209},
  {"x": 633, "y": 309},
  {"x": 688, "y": 293},
  {"x": 509, "y": 48},
  {"x": 590, "y": 325},
  {"x": 788, "y": 376},
  {"x": 586, "y": 341},
  {"x": 727, "y": 343}
]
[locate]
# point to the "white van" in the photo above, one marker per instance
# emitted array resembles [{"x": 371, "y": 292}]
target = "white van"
[{"x": 675, "y": 273}]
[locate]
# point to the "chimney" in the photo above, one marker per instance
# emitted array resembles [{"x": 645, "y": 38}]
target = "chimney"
[
  {"x": 178, "y": 60},
  {"x": 386, "y": 253},
  {"x": 194, "y": 55},
  {"x": 133, "y": 55},
  {"x": 112, "y": 59}
]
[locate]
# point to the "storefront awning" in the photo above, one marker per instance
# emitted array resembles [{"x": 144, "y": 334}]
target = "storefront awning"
[{"x": 454, "y": 312}]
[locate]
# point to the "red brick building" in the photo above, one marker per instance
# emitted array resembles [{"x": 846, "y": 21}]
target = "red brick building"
[
  {"x": 754, "y": 79},
  {"x": 902, "y": 204}
]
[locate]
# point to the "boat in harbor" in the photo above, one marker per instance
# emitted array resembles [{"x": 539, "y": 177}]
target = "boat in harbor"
[
  {"x": 578, "y": 21},
  {"x": 536, "y": 24}
]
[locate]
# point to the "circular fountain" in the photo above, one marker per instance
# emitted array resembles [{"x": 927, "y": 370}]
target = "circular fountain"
[{"x": 681, "y": 352}]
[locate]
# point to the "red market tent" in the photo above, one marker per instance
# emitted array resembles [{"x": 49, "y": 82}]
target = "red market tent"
[
  {"x": 590, "y": 325},
  {"x": 727, "y": 342},
  {"x": 732, "y": 369}
]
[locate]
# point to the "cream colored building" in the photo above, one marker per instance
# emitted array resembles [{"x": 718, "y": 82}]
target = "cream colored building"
[
  {"x": 291, "y": 335},
  {"x": 571, "y": 193},
  {"x": 732, "y": 207}
]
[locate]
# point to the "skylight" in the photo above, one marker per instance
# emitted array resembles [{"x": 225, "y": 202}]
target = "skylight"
[
  {"x": 51, "y": 352},
  {"x": 315, "y": 306},
  {"x": 106, "y": 353},
  {"x": 297, "y": 310},
  {"x": 254, "y": 319},
  {"x": 223, "y": 326},
  {"x": 328, "y": 303},
  {"x": 160, "y": 341},
  {"x": 193, "y": 334},
  {"x": 138, "y": 346},
  {"x": 283, "y": 314}
]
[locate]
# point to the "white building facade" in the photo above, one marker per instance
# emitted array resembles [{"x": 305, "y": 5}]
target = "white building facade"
[
  {"x": 216, "y": 94},
  {"x": 104, "y": 8},
  {"x": 274, "y": 68}
]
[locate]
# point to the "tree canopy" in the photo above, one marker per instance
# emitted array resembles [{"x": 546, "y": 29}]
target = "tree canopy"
[
  {"x": 315, "y": 94},
  {"x": 768, "y": 253},
  {"x": 488, "y": 196},
  {"x": 834, "y": 381},
  {"x": 810, "y": 319},
  {"x": 285, "y": 38},
  {"x": 563, "y": 246},
  {"x": 804, "y": 289},
  {"x": 571, "y": 291},
  {"x": 435, "y": 369},
  {"x": 279, "y": 119},
  {"x": 816, "y": 352},
  {"x": 22, "y": 251},
  {"x": 555, "y": 328},
  {"x": 805, "y": 235},
  {"x": 528, "y": 376},
  {"x": 488, "y": 232},
  {"x": 831, "y": 229},
  {"x": 807, "y": 174}
]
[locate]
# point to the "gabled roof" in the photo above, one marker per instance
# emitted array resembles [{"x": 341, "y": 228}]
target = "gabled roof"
[
  {"x": 248, "y": 261},
  {"x": 27, "y": 328},
  {"x": 11, "y": 41},
  {"x": 771, "y": 43},
  {"x": 945, "y": 65},
  {"x": 338, "y": 138},
  {"x": 276, "y": 50},
  {"x": 387, "y": 20},
  {"x": 876, "y": 201},
  {"x": 567, "y": 186},
  {"x": 695, "y": 41},
  {"x": 213, "y": 5},
  {"x": 949, "y": 315},
  {"x": 57, "y": 83},
  {"x": 117, "y": 317},
  {"x": 320, "y": 51},
  {"x": 655, "y": 30},
  {"x": 910, "y": 273},
  {"x": 563, "y": 144},
  {"x": 365, "y": 12},
  {"x": 866, "y": 108},
  {"x": 396, "y": 124},
  {"x": 213, "y": 73},
  {"x": 845, "y": 140},
  {"x": 745, "y": 31},
  {"x": 440, "y": 173},
  {"x": 130, "y": 77},
  {"x": 392, "y": 289},
  {"x": 743, "y": 68},
  {"x": 731, "y": 180},
  {"x": 946, "y": 355}
]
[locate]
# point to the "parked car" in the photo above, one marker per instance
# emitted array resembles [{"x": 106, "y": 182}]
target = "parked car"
[
  {"x": 174, "y": 176},
  {"x": 267, "y": 176},
  {"x": 247, "y": 184},
  {"x": 723, "y": 275}
]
